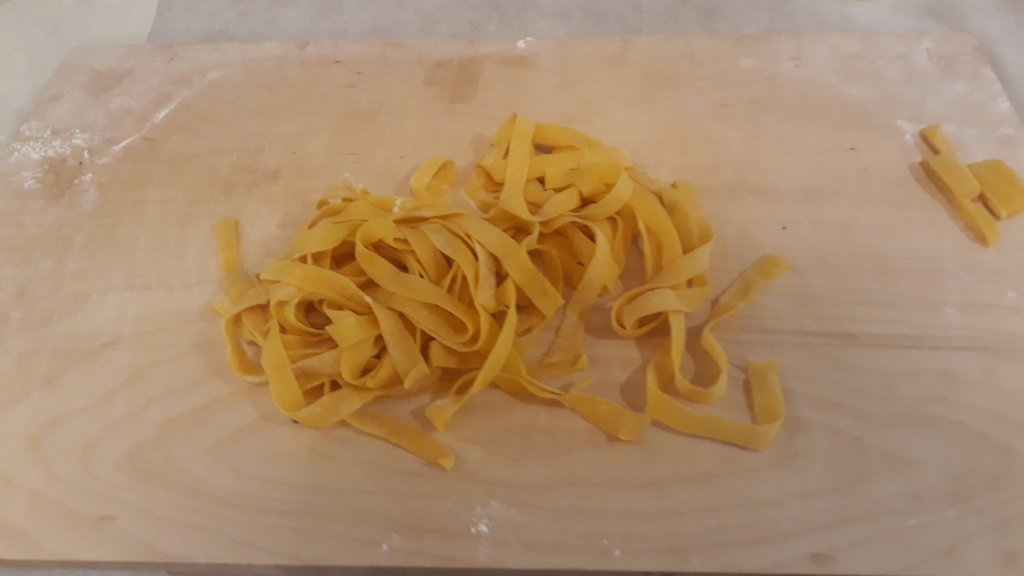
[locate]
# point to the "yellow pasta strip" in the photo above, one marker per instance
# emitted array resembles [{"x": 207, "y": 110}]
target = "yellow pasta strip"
[
  {"x": 347, "y": 327},
  {"x": 615, "y": 199},
  {"x": 402, "y": 347},
  {"x": 237, "y": 286},
  {"x": 763, "y": 381},
  {"x": 935, "y": 138},
  {"x": 960, "y": 191},
  {"x": 235, "y": 281},
  {"x": 284, "y": 388},
  {"x": 334, "y": 407},
  {"x": 555, "y": 135},
  {"x": 433, "y": 178},
  {"x": 323, "y": 236},
  {"x": 560, "y": 163},
  {"x": 327, "y": 283},
  {"x": 1001, "y": 188},
  {"x": 404, "y": 435},
  {"x": 952, "y": 177},
  {"x": 568, "y": 344},
  {"x": 441, "y": 411},
  {"x": 516, "y": 263},
  {"x": 237, "y": 356},
  {"x": 958, "y": 184},
  {"x": 520, "y": 151},
  {"x": 736, "y": 296},
  {"x": 614, "y": 419},
  {"x": 766, "y": 395}
]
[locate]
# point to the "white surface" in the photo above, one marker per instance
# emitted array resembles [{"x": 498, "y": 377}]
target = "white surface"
[{"x": 36, "y": 34}]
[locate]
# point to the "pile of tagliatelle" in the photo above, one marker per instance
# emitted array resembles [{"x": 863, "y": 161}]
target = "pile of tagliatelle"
[{"x": 386, "y": 297}]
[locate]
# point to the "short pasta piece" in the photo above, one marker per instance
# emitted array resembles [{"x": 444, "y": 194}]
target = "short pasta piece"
[{"x": 980, "y": 193}]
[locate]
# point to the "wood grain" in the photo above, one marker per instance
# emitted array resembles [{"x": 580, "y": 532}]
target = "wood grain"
[{"x": 125, "y": 439}]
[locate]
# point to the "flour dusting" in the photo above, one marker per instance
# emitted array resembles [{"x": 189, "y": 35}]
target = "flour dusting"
[
  {"x": 522, "y": 43},
  {"x": 483, "y": 526},
  {"x": 158, "y": 117},
  {"x": 1002, "y": 104},
  {"x": 45, "y": 142},
  {"x": 1010, "y": 294},
  {"x": 909, "y": 129},
  {"x": 392, "y": 542},
  {"x": 31, "y": 179},
  {"x": 482, "y": 516},
  {"x": 90, "y": 195}
]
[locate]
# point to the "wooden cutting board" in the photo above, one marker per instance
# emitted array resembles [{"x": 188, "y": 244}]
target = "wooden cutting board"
[{"x": 125, "y": 439}]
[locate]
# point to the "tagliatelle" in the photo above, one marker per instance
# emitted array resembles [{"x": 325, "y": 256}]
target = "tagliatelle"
[{"x": 386, "y": 297}]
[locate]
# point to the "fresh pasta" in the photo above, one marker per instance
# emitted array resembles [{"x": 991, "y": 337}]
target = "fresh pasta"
[
  {"x": 981, "y": 193},
  {"x": 389, "y": 297}
]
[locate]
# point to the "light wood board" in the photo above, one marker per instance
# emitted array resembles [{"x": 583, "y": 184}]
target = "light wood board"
[{"x": 124, "y": 438}]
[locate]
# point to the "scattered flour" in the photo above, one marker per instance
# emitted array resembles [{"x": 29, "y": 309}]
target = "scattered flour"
[
  {"x": 1002, "y": 104},
  {"x": 126, "y": 101},
  {"x": 522, "y": 43},
  {"x": 398, "y": 205},
  {"x": 159, "y": 116},
  {"x": 83, "y": 186},
  {"x": 483, "y": 526},
  {"x": 1010, "y": 294},
  {"x": 395, "y": 540},
  {"x": 909, "y": 129},
  {"x": 31, "y": 178},
  {"x": 748, "y": 62},
  {"x": 617, "y": 552},
  {"x": 482, "y": 516},
  {"x": 90, "y": 195},
  {"x": 44, "y": 142}
]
